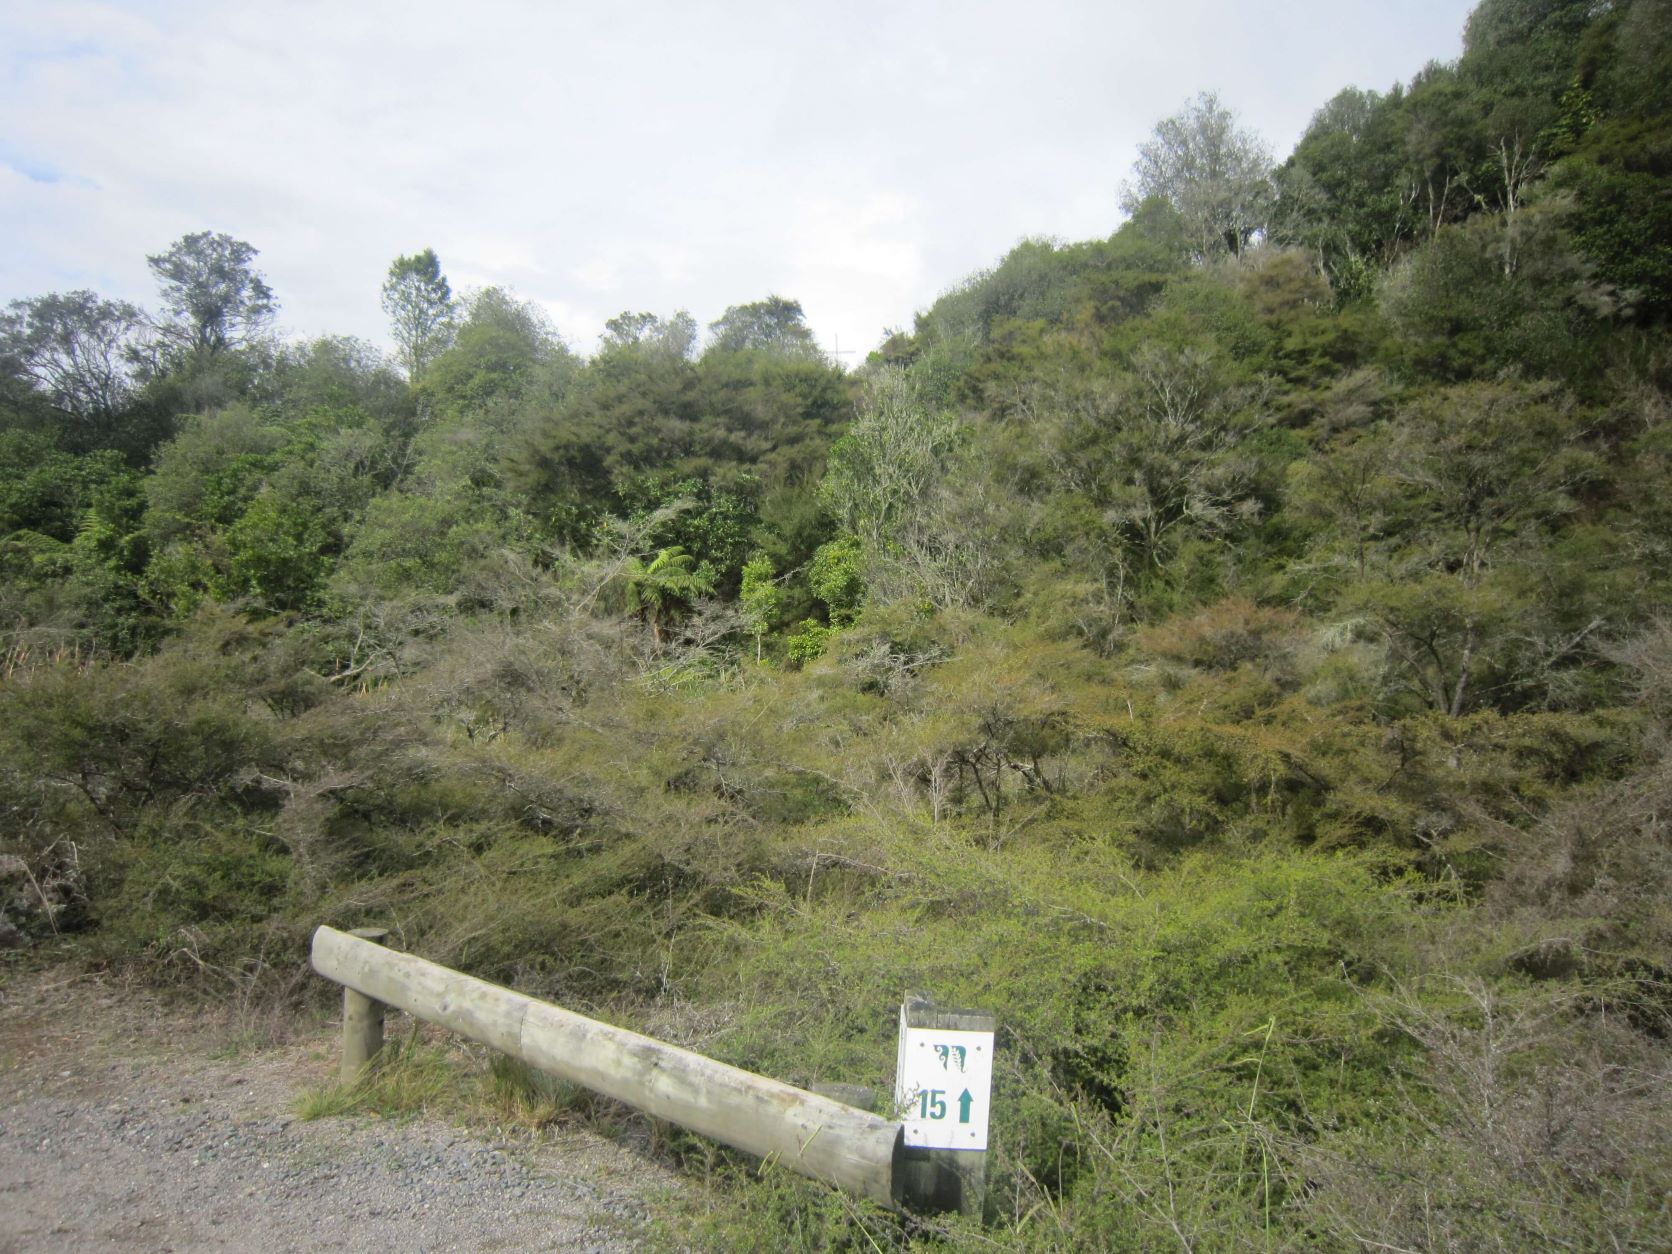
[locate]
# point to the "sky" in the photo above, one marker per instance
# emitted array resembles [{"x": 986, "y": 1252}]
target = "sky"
[{"x": 655, "y": 155}]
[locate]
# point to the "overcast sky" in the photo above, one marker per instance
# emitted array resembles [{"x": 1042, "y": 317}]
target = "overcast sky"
[{"x": 592, "y": 157}]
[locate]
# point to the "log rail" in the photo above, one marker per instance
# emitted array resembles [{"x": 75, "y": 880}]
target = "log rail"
[{"x": 813, "y": 1135}]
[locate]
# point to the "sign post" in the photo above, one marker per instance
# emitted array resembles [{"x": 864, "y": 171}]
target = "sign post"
[{"x": 942, "y": 1092}]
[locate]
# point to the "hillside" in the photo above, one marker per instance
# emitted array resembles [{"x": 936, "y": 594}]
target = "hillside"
[{"x": 1236, "y": 651}]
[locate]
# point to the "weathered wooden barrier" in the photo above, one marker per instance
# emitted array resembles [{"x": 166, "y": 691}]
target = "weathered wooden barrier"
[{"x": 809, "y": 1134}]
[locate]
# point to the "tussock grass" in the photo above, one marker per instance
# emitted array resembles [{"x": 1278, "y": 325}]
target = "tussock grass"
[
  {"x": 408, "y": 1079},
  {"x": 527, "y": 1097}
]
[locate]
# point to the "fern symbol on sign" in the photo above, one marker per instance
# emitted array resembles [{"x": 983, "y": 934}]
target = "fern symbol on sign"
[{"x": 949, "y": 1054}]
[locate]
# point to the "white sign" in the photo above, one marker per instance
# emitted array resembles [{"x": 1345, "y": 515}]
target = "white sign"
[{"x": 942, "y": 1086}]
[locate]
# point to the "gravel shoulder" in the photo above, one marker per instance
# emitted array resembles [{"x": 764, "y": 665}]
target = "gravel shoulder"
[{"x": 127, "y": 1125}]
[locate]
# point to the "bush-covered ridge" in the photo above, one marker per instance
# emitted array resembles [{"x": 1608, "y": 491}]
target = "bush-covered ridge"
[{"x": 1235, "y": 651}]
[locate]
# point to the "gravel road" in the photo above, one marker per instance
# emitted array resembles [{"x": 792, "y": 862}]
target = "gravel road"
[{"x": 119, "y": 1132}]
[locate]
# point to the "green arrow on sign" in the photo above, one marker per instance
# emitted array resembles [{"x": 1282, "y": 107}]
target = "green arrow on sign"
[{"x": 965, "y": 1101}]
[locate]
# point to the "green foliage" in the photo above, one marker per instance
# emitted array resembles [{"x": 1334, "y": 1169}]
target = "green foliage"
[
  {"x": 1497, "y": 293},
  {"x": 774, "y": 325},
  {"x": 673, "y": 337},
  {"x": 419, "y": 303},
  {"x": 715, "y": 527},
  {"x": 659, "y": 590},
  {"x": 206, "y": 888},
  {"x": 239, "y": 507},
  {"x": 1046, "y": 280},
  {"x": 47, "y": 491},
  {"x": 808, "y": 642},
  {"x": 505, "y": 351},
  {"x": 644, "y": 426},
  {"x": 1485, "y": 470},
  {"x": 836, "y": 578},
  {"x": 413, "y": 543},
  {"x": 759, "y": 598},
  {"x": 1342, "y": 191},
  {"x": 204, "y": 475},
  {"x": 279, "y": 551},
  {"x": 73, "y": 347},
  {"x": 213, "y": 297},
  {"x": 1617, "y": 177},
  {"x": 1214, "y": 174},
  {"x": 891, "y": 486}
]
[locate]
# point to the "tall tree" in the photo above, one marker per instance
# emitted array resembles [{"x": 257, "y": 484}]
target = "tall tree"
[
  {"x": 212, "y": 297},
  {"x": 421, "y": 310},
  {"x": 1350, "y": 190},
  {"x": 1215, "y": 173},
  {"x": 673, "y": 337},
  {"x": 775, "y": 324},
  {"x": 882, "y": 471},
  {"x": 505, "y": 348},
  {"x": 72, "y": 347}
]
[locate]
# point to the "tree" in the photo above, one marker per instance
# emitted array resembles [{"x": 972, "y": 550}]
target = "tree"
[
  {"x": 715, "y": 527},
  {"x": 659, "y": 588},
  {"x": 774, "y": 324},
  {"x": 904, "y": 484},
  {"x": 1350, "y": 489},
  {"x": 1525, "y": 49},
  {"x": 1487, "y": 470},
  {"x": 837, "y": 577},
  {"x": 505, "y": 350},
  {"x": 1496, "y": 293},
  {"x": 337, "y": 372},
  {"x": 1163, "y": 454},
  {"x": 212, "y": 298},
  {"x": 46, "y": 491},
  {"x": 882, "y": 470},
  {"x": 421, "y": 310},
  {"x": 759, "y": 597},
  {"x": 279, "y": 551},
  {"x": 674, "y": 337},
  {"x": 1349, "y": 192},
  {"x": 72, "y": 347},
  {"x": 1214, "y": 173}
]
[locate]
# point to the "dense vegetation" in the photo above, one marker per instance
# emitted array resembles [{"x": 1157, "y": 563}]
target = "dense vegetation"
[{"x": 1236, "y": 651}]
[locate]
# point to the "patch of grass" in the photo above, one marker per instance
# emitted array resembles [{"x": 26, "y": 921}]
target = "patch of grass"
[
  {"x": 408, "y": 1079},
  {"x": 237, "y": 1046},
  {"x": 755, "y": 1207},
  {"x": 530, "y": 1098},
  {"x": 437, "y": 1075}
]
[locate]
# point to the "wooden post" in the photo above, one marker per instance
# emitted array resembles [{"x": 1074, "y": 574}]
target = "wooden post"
[
  {"x": 944, "y": 1179},
  {"x": 798, "y": 1130},
  {"x": 362, "y": 1020}
]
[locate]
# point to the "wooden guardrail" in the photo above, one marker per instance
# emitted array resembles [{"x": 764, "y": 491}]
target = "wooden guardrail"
[{"x": 815, "y": 1136}]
